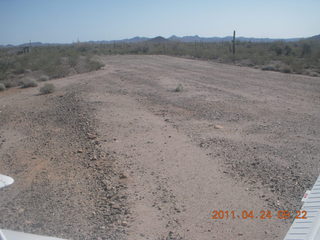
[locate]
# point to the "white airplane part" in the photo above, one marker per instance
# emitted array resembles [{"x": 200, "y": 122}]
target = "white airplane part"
[
  {"x": 12, "y": 235},
  {"x": 309, "y": 228},
  {"x": 5, "y": 181},
  {"x": 2, "y": 237}
]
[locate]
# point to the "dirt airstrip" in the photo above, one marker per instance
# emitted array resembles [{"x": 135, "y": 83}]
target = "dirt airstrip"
[{"x": 119, "y": 154}]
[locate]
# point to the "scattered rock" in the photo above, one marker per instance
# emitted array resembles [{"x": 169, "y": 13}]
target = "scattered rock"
[
  {"x": 92, "y": 136},
  {"x": 124, "y": 223},
  {"x": 122, "y": 176}
]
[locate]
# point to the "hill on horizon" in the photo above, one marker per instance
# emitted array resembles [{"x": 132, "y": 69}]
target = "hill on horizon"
[{"x": 174, "y": 38}]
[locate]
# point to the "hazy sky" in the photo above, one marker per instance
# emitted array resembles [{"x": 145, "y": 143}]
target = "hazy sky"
[{"x": 68, "y": 20}]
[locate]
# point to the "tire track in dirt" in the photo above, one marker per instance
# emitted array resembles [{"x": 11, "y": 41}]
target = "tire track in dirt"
[
  {"x": 65, "y": 185},
  {"x": 172, "y": 184}
]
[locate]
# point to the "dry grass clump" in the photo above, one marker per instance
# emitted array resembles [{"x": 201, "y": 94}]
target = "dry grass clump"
[
  {"x": 269, "y": 68},
  {"x": 43, "y": 78},
  {"x": 28, "y": 82},
  {"x": 47, "y": 88}
]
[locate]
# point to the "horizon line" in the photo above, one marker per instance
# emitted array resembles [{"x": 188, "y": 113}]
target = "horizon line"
[{"x": 173, "y": 35}]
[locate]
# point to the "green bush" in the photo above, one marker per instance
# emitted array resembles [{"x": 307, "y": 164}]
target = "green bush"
[
  {"x": 28, "y": 82},
  {"x": 2, "y": 87},
  {"x": 47, "y": 88}
]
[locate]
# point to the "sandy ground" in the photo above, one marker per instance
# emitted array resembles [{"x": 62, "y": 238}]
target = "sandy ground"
[{"x": 118, "y": 154}]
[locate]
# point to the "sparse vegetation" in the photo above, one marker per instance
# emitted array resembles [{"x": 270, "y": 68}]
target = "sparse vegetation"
[
  {"x": 179, "y": 88},
  {"x": 301, "y": 57},
  {"x": 50, "y": 61},
  {"x": 2, "y": 87},
  {"x": 28, "y": 82},
  {"x": 47, "y": 88}
]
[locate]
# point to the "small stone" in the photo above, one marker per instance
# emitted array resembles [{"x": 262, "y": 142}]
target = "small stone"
[
  {"x": 122, "y": 176},
  {"x": 80, "y": 151},
  {"x": 91, "y": 136},
  {"x": 21, "y": 210},
  {"x": 124, "y": 223},
  {"x": 218, "y": 126},
  {"x": 116, "y": 206}
]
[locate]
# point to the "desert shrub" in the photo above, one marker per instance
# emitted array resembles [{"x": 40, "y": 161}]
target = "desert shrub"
[
  {"x": 63, "y": 60},
  {"x": 285, "y": 70},
  {"x": 179, "y": 88},
  {"x": 10, "y": 83},
  {"x": 28, "y": 82},
  {"x": 47, "y": 88},
  {"x": 18, "y": 68},
  {"x": 297, "y": 68},
  {"x": 73, "y": 60},
  {"x": 2, "y": 87},
  {"x": 94, "y": 65},
  {"x": 268, "y": 68},
  {"x": 43, "y": 78}
]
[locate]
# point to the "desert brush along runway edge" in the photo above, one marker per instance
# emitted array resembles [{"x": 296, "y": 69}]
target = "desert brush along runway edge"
[{"x": 12, "y": 235}]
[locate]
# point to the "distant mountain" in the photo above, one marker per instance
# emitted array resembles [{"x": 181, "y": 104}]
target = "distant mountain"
[
  {"x": 127, "y": 40},
  {"x": 175, "y": 38},
  {"x": 32, "y": 44},
  {"x": 158, "y": 39},
  {"x": 316, "y": 37},
  {"x": 134, "y": 40},
  {"x": 196, "y": 38}
]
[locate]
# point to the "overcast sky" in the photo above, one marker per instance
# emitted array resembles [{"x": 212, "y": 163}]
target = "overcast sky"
[{"x": 65, "y": 21}]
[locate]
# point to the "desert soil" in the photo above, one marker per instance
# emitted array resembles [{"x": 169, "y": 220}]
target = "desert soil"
[{"x": 119, "y": 154}]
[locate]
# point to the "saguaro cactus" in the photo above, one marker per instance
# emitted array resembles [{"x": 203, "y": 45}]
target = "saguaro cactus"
[{"x": 234, "y": 43}]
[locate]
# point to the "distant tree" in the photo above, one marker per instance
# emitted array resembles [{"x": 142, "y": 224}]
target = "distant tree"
[
  {"x": 287, "y": 50},
  {"x": 277, "y": 49},
  {"x": 306, "y": 50}
]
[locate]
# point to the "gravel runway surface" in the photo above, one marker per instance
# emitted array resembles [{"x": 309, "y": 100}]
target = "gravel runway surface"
[{"x": 119, "y": 154}]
